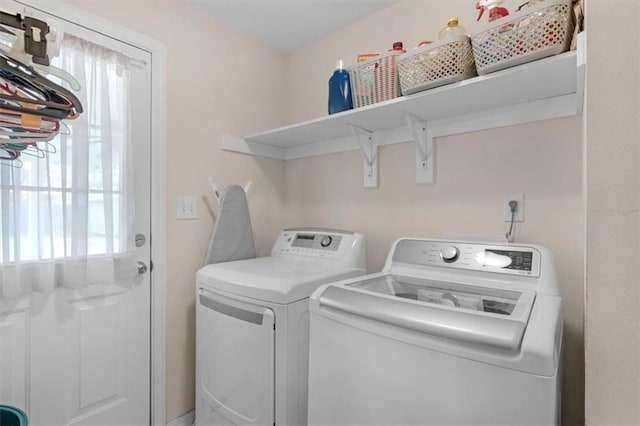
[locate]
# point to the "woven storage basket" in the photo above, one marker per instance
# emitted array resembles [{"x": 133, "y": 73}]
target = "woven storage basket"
[
  {"x": 375, "y": 80},
  {"x": 533, "y": 33},
  {"x": 436, "y": 64}
]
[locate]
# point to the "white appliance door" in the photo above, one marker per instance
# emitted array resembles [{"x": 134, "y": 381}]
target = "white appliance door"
[{"x": 235, "y": 361}]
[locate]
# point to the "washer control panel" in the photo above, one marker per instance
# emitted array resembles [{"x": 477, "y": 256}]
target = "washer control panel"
[{"x": 504, "y": 259}]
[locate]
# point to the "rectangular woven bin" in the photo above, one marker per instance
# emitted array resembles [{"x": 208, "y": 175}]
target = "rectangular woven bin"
[
  {"x": 375, "y": 80},
  {"x": 533, "y": 33},
  {"x": 436, "y": 64}
]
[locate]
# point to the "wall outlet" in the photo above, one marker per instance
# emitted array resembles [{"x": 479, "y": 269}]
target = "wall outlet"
[
  {"x": 506, "y": 209},
  {"x": 186, "y": 208}
]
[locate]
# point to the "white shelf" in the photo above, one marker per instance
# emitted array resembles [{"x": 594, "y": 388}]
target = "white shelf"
[{"x": 548, "y": 88}]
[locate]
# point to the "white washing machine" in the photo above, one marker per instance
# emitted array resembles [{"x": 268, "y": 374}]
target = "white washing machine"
[
  {"x": 252, "y": 327},
  {"x": 448, "y": 333}
]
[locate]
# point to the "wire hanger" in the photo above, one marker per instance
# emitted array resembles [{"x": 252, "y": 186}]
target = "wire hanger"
[{"x": 15, "y": 163}]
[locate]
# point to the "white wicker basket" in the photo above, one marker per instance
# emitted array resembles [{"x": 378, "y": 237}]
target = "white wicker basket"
[
  {"x": 436, "y": 64},
  {"x": 533, "y": 33},
  {"x": 375, "y": 80}
]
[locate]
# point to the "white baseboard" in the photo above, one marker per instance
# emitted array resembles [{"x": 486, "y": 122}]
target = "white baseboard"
[{"x": 187, "y": 419}]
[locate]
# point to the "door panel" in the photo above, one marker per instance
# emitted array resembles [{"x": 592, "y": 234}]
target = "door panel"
[
  {"x": 14, "y": 351},
  {"x": 87, "y": 366},
  {"x": 82, "y": 356},
  {"x": 100, "y": 328}
]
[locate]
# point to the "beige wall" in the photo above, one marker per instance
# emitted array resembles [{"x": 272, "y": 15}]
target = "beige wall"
[
  {"x": 473, "y": 172},
  {"x": 613, "y": 219},
  {"x": 207, "y": 83},
  {"x": 213, "y": 87}
]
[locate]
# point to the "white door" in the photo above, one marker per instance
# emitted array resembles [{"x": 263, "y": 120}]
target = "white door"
[{"x": 82, "y": 356}]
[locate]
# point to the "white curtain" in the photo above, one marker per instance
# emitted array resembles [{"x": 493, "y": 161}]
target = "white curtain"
[{"x": 66, "y": 220}]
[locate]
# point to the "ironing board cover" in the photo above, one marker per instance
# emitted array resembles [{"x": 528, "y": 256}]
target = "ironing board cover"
[{"x": 232, "y": 237}]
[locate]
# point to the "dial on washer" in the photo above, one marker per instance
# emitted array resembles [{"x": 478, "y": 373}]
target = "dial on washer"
[
  {"x": 326, "y": 241},
  {"x": 449, "y": 254}
]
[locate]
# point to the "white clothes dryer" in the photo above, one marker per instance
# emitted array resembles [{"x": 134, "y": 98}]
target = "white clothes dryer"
[
  {"x": 448, "y": 333},
  {"x": 252, "y": 327}
]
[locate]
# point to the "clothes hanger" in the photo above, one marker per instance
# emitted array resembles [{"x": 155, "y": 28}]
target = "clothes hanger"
[
  {"x": 26, "y": 121},
  {"x": 10, "y": 88},
  {"x": 31, "y": 105},
  {"x": 35, "y": 34},
  {"x": 17, "y": 52},
  {"x": 38, "y": 102},
  {"x": 51, "y": 148},
  {"x": 31, "y": 49},
  {"x": 25, "y": 149},
  {"x": 27, "y": 83},
  {"x": 38, "y": 134},
  {"x": 24, "y": 89},
  {"x": 8, "y": 154},
  {"x": 29, "y": 148},
  {"x": 60, "y": 73},
  {"x": 16, "y": 130},
  {"x": 15, "y": 163},
  {"x": 21, "y": 75},
  {"x": 22, "y": 141},
  {"x": 63, "y": 125}
]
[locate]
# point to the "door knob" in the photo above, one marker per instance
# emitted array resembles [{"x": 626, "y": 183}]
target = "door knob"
[{"x": 142, "y": 268}]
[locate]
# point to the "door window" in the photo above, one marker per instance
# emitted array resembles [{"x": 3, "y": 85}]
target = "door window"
[{"x": 66, "y": 208}]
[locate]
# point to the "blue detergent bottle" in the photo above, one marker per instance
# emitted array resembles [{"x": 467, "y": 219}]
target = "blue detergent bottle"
[{"x": 340, "y": 90}]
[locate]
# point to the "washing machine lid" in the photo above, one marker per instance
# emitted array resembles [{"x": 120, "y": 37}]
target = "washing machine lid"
[
  {"x": 275, "y": 279},
  {"x": 463, "y": 313}
]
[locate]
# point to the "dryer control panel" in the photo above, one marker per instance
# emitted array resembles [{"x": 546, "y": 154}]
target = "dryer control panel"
[
  {"x": 319, "y": 243},
  {"x": 315, "y": 241}
]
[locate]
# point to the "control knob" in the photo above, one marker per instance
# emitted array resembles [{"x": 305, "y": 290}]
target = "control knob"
[
  {"x": 326, "y": 241},
  {"x": 449, "y": 254}
]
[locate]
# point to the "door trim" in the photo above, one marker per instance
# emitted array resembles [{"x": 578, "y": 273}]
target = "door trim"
[{"x": 158, "y": 66}]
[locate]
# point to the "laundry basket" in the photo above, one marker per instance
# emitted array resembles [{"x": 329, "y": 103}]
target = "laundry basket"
[
  {"x": 533, "y": 33},
  {"x": 436, "y": 64},
  {"x": 375, "y": 80},
  {"x": 12, "y": 416}
]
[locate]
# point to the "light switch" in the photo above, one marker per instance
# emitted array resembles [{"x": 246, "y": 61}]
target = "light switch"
[{"x": 187, "y": 208}]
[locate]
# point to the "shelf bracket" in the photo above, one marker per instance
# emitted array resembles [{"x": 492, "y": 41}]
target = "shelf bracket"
[
  {"x": 370, "y": 153},
  {"x": 424, "y": 148},
  {"x": 581, "y": 65}
]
